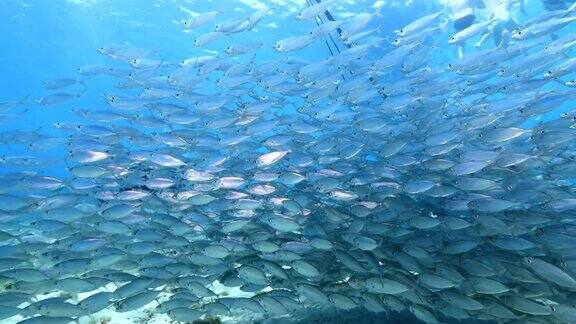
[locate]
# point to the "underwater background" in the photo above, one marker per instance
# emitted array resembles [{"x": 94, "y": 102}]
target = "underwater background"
[
  {"x": 40, "y": 46},
  {"x": 407, "y": 176}
]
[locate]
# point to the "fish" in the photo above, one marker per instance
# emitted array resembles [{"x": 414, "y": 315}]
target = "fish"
[
  {"x": 56, "y": 98},
  {"x": 208, "y": 38},
  {"x": 542, "y": 29},
  {"x": 314, "y": 10},
  {"x": 200, "y": 19},
  {"x": 243, "y": 48},
  {"x": 562, "y": 69},
  {"x": 257, "y": 182},
  {"x": 418, "y": 25},
  {"x": 294, "y": 43},
  {"x": 257, "y": 16},
  {"x": 56, "y": 84},
  {"x": 474, "y": 30},
  {"x": 327, "y": 28}
]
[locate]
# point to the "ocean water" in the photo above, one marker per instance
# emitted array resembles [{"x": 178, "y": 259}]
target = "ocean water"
[
  {"x": 355, "y": 128},
  {"x": 40, "y": 47}
]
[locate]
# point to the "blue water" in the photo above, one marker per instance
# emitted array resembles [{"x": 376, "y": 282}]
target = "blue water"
[{"x": 45, "y": 40}]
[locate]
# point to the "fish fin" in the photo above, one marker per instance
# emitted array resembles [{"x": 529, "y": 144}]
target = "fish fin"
[
  {"x": 110, "y": 305},
  {"x": 251, "y": 61},
  {"x": 558, "y": 81},
  {"x": 24, "y": 100},
  {"x": 444, "y": 25},
  {"x": 479, "y": 43},
  {"x": 461, "y": 51},
  {"x": 83, "y": 84},
  {"x": 378, "y": 13},
  {"x": 389, "y": 40},
  {"x": 491, "y": 17}
]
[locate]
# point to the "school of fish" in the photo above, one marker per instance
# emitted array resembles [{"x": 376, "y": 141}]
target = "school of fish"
[{"x": 382, "y": 181}]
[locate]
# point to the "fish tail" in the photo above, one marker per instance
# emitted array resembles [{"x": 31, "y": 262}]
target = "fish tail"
[
  {"x": 378, "y": 13},
  {"x": 24, "y": 100},
  {"x": 82, "y": 82}
]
